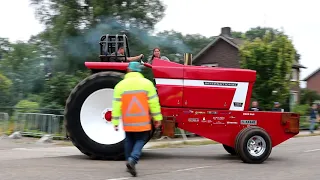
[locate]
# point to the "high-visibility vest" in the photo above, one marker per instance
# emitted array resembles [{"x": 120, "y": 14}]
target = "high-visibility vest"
[{"x": 135, "y": 111}]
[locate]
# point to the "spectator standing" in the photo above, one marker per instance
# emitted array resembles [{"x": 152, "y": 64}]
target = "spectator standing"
[
  {"x": 255, "y": 106},
  {"x": 276, "y": 107},
  {"x": 314, "y": 115}
]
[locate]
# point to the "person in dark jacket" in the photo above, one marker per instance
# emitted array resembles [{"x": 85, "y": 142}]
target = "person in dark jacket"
[
  {"x": 276, "y": 107},
  {"x": 313, "y": 116}
]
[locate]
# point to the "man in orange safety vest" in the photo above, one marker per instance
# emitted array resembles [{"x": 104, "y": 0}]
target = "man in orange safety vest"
[{"x": 136, "y": 102}]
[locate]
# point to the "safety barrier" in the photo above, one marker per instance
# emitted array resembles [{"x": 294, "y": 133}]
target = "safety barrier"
[
  {"x": 4, "y": 123},
  {"x": 38, "y": 124}
]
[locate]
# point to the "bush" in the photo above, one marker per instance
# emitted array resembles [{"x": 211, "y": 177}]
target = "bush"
[
  {"x": 25, "y": 106},
  {"x": 302, "y": 109}
]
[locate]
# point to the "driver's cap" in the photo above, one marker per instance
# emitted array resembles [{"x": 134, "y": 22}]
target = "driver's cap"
[{"x": 134, "y": 66}]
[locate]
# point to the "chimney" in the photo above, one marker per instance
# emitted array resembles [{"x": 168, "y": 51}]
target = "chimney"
[{"x": 226, "y": 32}]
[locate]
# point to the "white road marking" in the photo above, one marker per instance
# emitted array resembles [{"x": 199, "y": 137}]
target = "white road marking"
[
  {"x": 122, "y": 178},
  {"x": 190, "y": 169},
  {"x": 19, "y": 149},
  {"x": 313, "y": 150}
]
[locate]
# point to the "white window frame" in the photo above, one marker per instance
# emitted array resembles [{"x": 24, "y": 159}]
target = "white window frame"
[
  {"x": 210, "y": 65},
  {"x": 294, "y": 75}
]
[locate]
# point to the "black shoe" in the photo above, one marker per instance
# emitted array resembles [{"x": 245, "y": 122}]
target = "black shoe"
[{"x": 131, "y": 169}]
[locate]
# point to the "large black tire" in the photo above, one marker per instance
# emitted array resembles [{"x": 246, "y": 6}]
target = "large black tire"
[
  {"x": 229, "y": 149},
  {"x": 73, "y": 126},
  {"x": 241, "y": 145}
]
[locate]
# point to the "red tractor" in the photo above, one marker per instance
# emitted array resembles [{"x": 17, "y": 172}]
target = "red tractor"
[{"x": 210, "y": 102}]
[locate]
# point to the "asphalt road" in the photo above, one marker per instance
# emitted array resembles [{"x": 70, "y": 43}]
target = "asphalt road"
[{"x": 298, "y": 158}]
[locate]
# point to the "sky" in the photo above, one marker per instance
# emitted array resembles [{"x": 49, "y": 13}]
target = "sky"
[{"x": 299, "y": 19}]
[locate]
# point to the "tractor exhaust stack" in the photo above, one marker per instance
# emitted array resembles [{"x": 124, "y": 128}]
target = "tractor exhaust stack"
[{"x": 187, "y": 57}]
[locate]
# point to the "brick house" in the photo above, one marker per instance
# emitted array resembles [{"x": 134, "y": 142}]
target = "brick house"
[
  {"x": 313, "y": 81},
  {"x": 223, "y": 51}
]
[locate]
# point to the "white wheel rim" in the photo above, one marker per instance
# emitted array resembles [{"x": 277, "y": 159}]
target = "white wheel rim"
[
  {"x": 256, "y": 146},
  {"x": 92, "y": 118}
]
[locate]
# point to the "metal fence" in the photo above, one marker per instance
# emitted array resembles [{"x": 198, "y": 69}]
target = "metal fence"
[
  {"x": 32, "y": 124},
  {"x": 38, "y": 124},
  {"x": 4, "y": 123}
]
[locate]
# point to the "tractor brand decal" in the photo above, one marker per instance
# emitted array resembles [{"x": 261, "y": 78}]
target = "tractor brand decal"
[
  {"x": 204, "y": 120},
  {"x": 200, "y": 112},
  {"x": 193, "y": 119},
  {"x": 228, "y": 122},
  {"x": 218, "y": 118},
  {"x": 218, "y": 122},
  {"x": 212, "y": 112},
  {"x": 248, "y": 122},
  {"x": 237, "y": 104},
  {"x": 248, "y": 114},
  {"x": 220, "y": 84}
]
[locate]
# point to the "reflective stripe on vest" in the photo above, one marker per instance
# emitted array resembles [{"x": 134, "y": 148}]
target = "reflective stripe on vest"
[{"x": 135, "y": 111}]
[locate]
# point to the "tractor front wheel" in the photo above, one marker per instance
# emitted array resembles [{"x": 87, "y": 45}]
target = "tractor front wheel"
[
  {"x": 88, "y": 117},
  {"x": 253, "y": 145}
]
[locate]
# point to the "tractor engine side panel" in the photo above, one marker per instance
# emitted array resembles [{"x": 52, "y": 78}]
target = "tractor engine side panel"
[
  {"x": 169, "y": 84},
  {"x": 217, "y": 88}
]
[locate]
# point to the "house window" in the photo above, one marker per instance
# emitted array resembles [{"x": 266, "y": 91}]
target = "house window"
[
  {"x": 210, "y": 65},
  {"x": 294, "y": 75}
]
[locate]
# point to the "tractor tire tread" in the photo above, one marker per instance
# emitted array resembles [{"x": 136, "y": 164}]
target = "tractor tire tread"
[
  {"x": 242, "y": 141},
  {"x": 72, "y": 95}
]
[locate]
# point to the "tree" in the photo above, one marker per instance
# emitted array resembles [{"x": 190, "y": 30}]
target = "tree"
[
  {"x": 24, "y": 67},
  {"x": 5, "y": 47},
  {"x": 272, "y": 57},
  {"x": 58, "y": 88},
  {"x": 5, "y": 85},
  {"x": 75, "y": 27},
  {"x": 308, "y": 96}
]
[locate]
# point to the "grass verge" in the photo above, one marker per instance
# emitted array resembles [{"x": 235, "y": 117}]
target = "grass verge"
[{"x": 307, "y": 135}]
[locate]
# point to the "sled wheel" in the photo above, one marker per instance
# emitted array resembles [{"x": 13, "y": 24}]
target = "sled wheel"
[
  {"x": 230, "y": 150},
  {"x": 88, "y": 117},
  {"x": 253, "y": 145},
  {"x": 240, "y": 135}
]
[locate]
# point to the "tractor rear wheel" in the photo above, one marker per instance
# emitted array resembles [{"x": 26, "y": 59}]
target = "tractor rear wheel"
[
  {"x": 253, "y": 145},
  {"x": 229, "y": 149},
  {"x": 88, "y": 114}
]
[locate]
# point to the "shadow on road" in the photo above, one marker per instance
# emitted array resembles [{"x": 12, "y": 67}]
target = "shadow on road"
[{"x": 164, "y": 155}]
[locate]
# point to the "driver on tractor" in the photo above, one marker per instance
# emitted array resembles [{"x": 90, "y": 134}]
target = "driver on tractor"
[{"x": 120, "y": 53}]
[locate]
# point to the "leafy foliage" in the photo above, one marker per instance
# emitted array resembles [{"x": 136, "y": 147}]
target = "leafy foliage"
[
  {"x": 58, "y": 88},
  {"x": 302, "y": 109},
  {"x": 272, "y": 57},
  {"x": 5, "y": 85},
  {"x": 27, "y": 106},
  {"x": 308, "y": 96}
]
